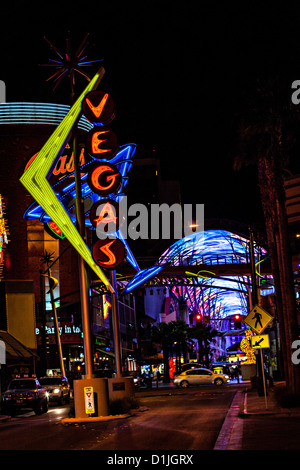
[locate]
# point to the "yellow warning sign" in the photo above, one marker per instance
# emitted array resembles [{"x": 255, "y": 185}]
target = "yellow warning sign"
[
  {"x": 260, "y": 341},
  {"x": 89, "y": 400},
  {"x": 258, "y": 319}
]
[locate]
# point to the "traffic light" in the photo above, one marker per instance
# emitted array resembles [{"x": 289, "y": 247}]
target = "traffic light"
[
  {"x": 198, "y": 319},
  {"x": 237, "y": 322}
]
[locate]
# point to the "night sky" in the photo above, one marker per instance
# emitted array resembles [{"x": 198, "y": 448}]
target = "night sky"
[{"x": 179, "y": 74}]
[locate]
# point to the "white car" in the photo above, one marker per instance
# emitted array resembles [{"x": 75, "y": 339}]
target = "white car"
[
  {"x": 57, "y": 387},
  {"x": 200, "y": 377}
]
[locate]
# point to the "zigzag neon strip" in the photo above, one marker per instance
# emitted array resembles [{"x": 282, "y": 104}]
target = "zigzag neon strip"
[{"x": 35, "y": 180}]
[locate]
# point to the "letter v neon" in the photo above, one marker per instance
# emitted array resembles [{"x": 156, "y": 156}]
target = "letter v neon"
[
  {"x": 97, "y": 110},
  {"x": 35, "y": 180}
]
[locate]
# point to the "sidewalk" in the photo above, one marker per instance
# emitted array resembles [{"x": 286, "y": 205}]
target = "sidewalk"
[{"x": 257, "y": 422}]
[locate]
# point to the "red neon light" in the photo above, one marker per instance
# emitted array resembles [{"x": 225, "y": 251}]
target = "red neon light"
[
  {"x": 104, "y": 179},
  {"x": 97, "y": 110},
  {"x": 98, "y": 107},
  {"x": 97, "y": 174},
  {"x": 65, "y": 164},
  {"x": 106, "y": 307},
  {"x": 96, "y": 142},
  {"x": 106, "y": 215},
  {"x": 107, "y": 251},
  {"x": 55, "y": 228}
]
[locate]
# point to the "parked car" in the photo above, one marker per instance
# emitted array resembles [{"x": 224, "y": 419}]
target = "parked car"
[
  {"x": 200, "y": 377},
  {"x": 187, "y": 366},
  {"x": 58, "y": 388},
  {"x": 137, "y": 380},
  {"x": 25, "y": 393}
]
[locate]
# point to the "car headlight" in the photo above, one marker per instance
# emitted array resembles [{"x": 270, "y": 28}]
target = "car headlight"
[
  {"x": 226, "y": 376},
  {"x": 56, "y": 390}
]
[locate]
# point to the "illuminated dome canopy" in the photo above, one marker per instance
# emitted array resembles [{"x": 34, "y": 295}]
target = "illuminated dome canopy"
[
  {"x": 214, "y": 297},
  {"x": 208, "y": 247}
]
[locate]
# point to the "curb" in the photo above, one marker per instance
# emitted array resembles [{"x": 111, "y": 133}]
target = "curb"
[
  {"x": 243, "y": 407},
  {"x": 230, "y": 435},
  {"x": 243, "y": 413},
  {"x": 95, "y": 419}
]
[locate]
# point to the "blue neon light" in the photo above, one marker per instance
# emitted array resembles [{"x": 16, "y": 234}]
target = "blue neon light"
[
  {"x": 122, "y": 161},
  {"x": 141, "y": 277},
  {"x": 216, "y": 297},
  {"x": 37, "y": 113}
]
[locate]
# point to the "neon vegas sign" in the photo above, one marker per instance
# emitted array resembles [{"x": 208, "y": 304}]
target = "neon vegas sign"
[
  {"x": 63, "y": 182},
  {"x": 35, "y": 180},
  {"x": 55, "y": 202}
]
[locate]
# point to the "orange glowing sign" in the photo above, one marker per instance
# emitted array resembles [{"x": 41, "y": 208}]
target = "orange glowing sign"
[
  {"x": 109, "y": 253},
  {"x": 98, "y": 107},
  {"x": 101, "y": 143},
  {"x": 97, "y": 110},
  {"x": 106, "y": 307},
  {"x": 65, "y": 163},
  {"x": 104, "y": 212},
  {"x": 104, "y": 179}
]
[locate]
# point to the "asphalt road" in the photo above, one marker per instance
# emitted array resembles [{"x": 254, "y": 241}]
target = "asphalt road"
[{"x": 189, "y": 419}]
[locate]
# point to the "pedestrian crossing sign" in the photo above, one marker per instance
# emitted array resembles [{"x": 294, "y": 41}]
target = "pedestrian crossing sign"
[
  {"x": 258, "y": 319},
  {"x": 89, "y": 400},
  {"x": 260, "y": 341}
]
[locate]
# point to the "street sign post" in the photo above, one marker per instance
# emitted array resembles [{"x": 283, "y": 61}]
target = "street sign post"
[
  {"x": 89, "y": 400},
  {"x": 258, "y": 319},
  {"x": 260, "y": 341}
]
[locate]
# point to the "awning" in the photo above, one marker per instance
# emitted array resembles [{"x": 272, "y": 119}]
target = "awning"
[{"x": 14, "y": 348}]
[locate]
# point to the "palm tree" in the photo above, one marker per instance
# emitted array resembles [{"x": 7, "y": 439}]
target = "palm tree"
[
  {"x": 265, "y": 142},
  {"x": 205, "y": 335},
  {"x": 162, "y": 333},
  {"x": 179, "y": 337}
]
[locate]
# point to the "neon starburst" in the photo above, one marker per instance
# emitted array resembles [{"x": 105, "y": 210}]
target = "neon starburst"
[{"x": 69, "y": 62}]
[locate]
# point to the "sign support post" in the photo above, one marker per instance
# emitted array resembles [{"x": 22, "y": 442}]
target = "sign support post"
[
  {"x": 87, "y": 341},
  {"x": 254, "y": 297},
  {"x": 263, "y": 377},
  {"x": 116, "y": 325}
]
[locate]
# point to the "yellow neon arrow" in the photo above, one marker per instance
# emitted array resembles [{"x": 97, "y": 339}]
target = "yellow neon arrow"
[{"x": 35, "y": 179}]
